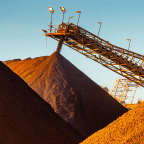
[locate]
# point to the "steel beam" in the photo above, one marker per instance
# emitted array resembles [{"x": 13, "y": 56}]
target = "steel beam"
[{"x": 124, "y": 62}]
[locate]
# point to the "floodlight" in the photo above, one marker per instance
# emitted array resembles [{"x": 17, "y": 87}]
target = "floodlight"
[
  {"x": 51, "y": 9},
  {"x": 78, "y": 11},
  {"x": 100, "y": 23},
  {"x": 63, "y": 9},
  {"x": 70, "y": 18},
  {"x": 79, "y": 16},
  {"x": 129, "y": 40}
]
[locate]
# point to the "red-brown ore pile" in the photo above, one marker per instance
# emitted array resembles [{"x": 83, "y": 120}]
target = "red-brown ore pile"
[
  {"x": 72, "y": 95},
  {"x": 25, "y": 118}
]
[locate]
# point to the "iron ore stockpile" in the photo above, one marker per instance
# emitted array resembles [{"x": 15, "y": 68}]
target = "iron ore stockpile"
[
  {"x": 25, "y": 118},
  {"x": 72, "y": 95},
  {"x": 128, "y": 129}
]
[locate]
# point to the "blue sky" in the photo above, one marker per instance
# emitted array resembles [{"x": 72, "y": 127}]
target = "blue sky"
[{"x": 21, "y": 37}]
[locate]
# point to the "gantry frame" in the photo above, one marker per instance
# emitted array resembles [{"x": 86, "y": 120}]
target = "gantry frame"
[
  {"x": 121, "y": 89},
  {"x": 123, "y": 62}
]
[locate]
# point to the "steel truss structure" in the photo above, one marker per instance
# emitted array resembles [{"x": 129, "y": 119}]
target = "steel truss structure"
[
  {"x": 124, "y": 62},
  {"x": 123, "y": 90}
]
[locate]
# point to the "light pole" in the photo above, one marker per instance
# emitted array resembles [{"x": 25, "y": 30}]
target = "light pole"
[
  {"x": 100, "y": 23},
  {"x": 63, "y": 10},
  {"x": 79, "y": 16},
  {"x": 51, "y": 11},
  {"x": 129, "y": 40},
  {"x": 69, "y": 19}
]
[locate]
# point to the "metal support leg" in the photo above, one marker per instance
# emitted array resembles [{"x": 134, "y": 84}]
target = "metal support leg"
[{"x": 60, "y": 44}]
